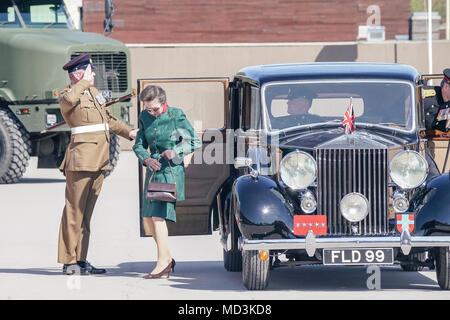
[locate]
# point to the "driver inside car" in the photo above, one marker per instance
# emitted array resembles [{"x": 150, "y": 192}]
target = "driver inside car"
[{"x": 298, "y": 102}]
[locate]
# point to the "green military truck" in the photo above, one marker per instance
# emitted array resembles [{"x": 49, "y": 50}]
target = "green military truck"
[{"x": 37, "y": 38}]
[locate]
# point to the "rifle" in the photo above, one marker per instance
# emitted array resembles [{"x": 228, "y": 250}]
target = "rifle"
[{"x": 128, "y": 96}]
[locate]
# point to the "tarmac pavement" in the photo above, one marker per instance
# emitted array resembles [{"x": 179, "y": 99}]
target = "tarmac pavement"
[{"x": 30, "y": 216}]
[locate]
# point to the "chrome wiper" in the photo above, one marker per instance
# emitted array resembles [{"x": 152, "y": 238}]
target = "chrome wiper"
[
  {"x": 330, "y": 121},
  {"x": 307, "y": 126},
  {"x": 49, "y": 25},
  {"x": 287, "y": 131}
]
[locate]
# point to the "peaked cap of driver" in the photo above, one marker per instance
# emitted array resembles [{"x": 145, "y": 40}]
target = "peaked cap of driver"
[
  {"x": 295, "y": 93},
  {"x": 446, "y": 73}
]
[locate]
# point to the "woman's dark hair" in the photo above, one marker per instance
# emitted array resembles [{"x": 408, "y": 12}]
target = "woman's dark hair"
[{"x": 151, "y": 92}]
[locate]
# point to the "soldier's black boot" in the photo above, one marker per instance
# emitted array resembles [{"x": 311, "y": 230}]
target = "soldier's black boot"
[
  {"x": 71, "y": 268},
  {"x": 87, "y": 268}
]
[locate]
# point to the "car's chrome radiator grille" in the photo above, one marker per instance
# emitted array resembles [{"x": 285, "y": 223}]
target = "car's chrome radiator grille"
[
  {"x": 111, "y": 73},
  {"x": 341, "y": 171}
]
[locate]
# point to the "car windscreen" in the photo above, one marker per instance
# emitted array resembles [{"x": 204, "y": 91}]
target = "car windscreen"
[
  {"x": 33, "y": 14},
  {"x": 294, "y": 104}
]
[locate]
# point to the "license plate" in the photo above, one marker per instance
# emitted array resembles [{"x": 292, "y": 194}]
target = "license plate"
[{"x": 358, "y": 256}]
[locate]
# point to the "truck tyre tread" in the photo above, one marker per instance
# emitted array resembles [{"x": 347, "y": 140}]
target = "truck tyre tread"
[
  {"x": 114, "y": 151},
  {"x": 17, "y": 152}
]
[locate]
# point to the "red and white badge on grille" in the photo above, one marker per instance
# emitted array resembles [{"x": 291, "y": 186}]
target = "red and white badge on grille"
[
  {"x": 316, "y": 223},
  {"x": 405, "y": 222}
]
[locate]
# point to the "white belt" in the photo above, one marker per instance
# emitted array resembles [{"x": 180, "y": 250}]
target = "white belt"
[{"x": 90, "y": 128}]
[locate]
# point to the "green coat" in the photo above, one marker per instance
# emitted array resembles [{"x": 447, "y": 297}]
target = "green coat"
[{"x": 171, "y": 130}]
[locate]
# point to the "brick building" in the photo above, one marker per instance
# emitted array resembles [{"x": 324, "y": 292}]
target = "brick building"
[{"x": 249, "y": 21}]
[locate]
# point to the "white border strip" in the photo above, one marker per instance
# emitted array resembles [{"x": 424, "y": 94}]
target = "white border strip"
[
  {"x": 268, "y": 44},
  {"x": 261, "y": 44}
]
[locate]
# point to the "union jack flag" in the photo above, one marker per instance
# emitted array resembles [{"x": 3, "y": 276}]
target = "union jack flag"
[{"x": 349, "y": 119}]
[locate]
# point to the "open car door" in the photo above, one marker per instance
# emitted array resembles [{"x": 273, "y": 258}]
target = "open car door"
[{"x": 204, "y": 101}]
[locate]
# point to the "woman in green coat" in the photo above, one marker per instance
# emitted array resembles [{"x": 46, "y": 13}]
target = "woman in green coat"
[{"x": 168, "y": 134}]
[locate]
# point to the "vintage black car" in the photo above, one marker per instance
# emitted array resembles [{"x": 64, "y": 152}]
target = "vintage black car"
[{"x": 308, "y": 189}]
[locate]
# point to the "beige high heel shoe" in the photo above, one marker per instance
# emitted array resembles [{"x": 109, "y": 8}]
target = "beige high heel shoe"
[{"x": 166, "y": 270}]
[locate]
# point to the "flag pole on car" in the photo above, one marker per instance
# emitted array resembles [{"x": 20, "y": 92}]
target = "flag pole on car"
[{"x": 349, "y": 118}]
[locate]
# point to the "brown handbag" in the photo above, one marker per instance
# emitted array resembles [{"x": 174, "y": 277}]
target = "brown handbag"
[{"x": 161, "y": 191}]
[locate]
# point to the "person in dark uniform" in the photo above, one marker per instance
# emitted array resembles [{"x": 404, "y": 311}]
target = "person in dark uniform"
[
  {"x": 435, "y": 100},
  {"x": 445, "y": 94},
  {"x": 299, "y": 102}
]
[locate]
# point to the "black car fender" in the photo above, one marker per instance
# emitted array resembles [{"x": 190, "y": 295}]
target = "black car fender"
[
  {"x": 432, "y": 207},
  {"x": 260, "y": 208}
]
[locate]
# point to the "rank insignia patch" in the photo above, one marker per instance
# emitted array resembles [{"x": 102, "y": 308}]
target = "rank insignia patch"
[
  {"x": 405, "y": 221},
  {"x": 426, "y": 93}
]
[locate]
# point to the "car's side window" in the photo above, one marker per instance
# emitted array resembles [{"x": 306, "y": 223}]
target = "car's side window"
[
  {"x": 242, "y": 106},
  {"x": 234, "y": 106},
  {"x": 419, "y": 107},
  {"x": 255, "y": 109},
  {"x": 249, "y": 107}
]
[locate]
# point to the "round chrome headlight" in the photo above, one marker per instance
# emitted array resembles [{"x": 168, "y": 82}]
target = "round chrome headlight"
[
  {"x": 298, "y": 170},
  {"x": 408, "y": 169},
  {"x": 354, "y": 207}
]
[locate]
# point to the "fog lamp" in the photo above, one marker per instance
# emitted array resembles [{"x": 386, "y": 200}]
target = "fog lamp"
[
  {"x": 354, "y": 207},
  {"x": 400, "y": 202},
  {"x": 308, "y": 202}
]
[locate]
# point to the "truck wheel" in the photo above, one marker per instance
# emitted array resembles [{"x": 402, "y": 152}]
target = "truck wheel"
[
  {"x": 232, "y": 260},
  {"x": 114, "y": 151},
  {"x": 255, "y": 272},
  {"x": 15, "y": 148},
  {"x": 420, "y": 256},
  {"x": 442, "y": 268}
]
